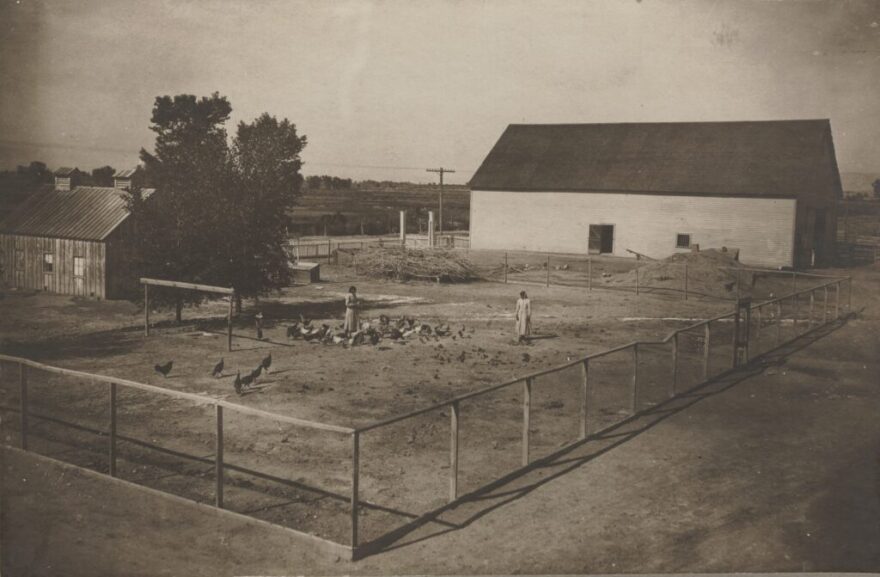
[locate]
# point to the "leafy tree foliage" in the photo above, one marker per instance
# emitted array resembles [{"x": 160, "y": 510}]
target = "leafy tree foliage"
[
  {"x": 219, "y": 213},
  {"x": 103, "y": 176},
  {"x": 876, "y": 185},
  {"x": 266, "y": 170}
]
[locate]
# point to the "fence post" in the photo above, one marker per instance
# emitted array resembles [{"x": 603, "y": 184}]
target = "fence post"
[
  {"x": 825, "y": 304},
  {"x": 849, "y": 295},
  {"x": 146, "y": 310},
  {"x": 527, "y": 406},
  {"x": 837, "y": 300},
  {"x": 674, "y": 382},
  {"x": 685, "y": 280},
  {"x": 758, "y": 327},
  {"x": 548, "y": 270},
  {"x": 812, "y": 298},
  {"x": 590, "y": 273},
  {"x": 505, "y": 268},
  {"x": 112, "y": 429},
  {"x": 453, "y": 452},
  {"x": 793, "y": 282},
  {"x": 637, "y": 280},
  {"x": 218, "y": 458},
  {"x": 23, "y": 402},
  {"x": 329, "y": 249},
  {"x": 584, "y": 396},
  {"x": 635, "y": 379},
  {"x": 229, "y": 325},
  {"x": 737, "y": 285},
  {"x": 797, "y": 311},
  {"x": 355, "y": 479},
  {"x": 706, "y": 336},
  {"x": 778, "y": 322}
]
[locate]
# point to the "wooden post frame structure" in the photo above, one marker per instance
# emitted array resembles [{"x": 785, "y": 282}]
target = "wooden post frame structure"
[{"x": 148, "y": 282}]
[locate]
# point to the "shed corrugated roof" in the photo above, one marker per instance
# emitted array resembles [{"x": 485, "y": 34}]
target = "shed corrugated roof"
[
  {"x": 126, "y": 172},
  {"x": 785, "y": 158},
  {"x": 84, "y": 213}
]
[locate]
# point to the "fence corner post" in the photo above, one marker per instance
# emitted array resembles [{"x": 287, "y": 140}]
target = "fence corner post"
[
  {"x": 218, "y": 457},
  {"x": 585, "y": 395},
  {"x": 527, "y": 416},
  {"x": 453, "y": 451},
  {"x": 355, "y": 481}
]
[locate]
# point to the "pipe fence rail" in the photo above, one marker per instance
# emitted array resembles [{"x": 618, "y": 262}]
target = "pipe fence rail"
[{"x": 611, "y": 386}]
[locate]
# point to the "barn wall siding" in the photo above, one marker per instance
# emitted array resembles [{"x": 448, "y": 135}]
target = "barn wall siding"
[
  {"x": 61, "y": 280},
  {"x": 762, "y": 228}
]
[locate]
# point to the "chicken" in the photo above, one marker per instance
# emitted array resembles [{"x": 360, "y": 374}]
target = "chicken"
[
  {"x": 164, "y": 369},
  {"x": 293, "y": 331},
  {"x": 247, "y": 380},
  {"x": 237, "y": 383},
  {"x": 255, "y": 374},
  {"x": 218, "y": 369},
  {"x": 266, "y": 363}
]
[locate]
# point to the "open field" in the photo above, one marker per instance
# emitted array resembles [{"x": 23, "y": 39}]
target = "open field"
[{"x": 403, "y": 467}]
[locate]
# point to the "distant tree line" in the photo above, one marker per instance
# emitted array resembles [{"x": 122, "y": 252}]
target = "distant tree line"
[{"x": 327, "y": 182}]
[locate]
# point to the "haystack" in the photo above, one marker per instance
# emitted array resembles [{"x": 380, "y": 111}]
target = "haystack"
[
  {"x": 402, "y": 264},
  {"x": 710, "y": 272}
]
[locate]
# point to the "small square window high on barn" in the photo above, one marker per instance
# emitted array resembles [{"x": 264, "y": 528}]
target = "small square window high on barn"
[{"x": 682, "y": 240}]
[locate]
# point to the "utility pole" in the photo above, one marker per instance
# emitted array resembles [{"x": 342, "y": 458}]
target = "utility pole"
[{"x": 442, "y": 171}]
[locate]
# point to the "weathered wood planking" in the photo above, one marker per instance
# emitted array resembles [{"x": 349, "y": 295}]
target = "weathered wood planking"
[{"x": 23, "y": 265}]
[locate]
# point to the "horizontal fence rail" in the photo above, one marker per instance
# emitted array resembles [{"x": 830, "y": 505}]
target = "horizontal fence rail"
[{"x": 766, "y": 325}]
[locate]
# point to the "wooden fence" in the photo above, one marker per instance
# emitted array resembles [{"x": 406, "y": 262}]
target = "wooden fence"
[{"x": 757, "y": 332}]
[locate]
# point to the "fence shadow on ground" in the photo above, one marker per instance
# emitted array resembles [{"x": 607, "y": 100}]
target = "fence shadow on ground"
[{"x": 518, "y": 484}]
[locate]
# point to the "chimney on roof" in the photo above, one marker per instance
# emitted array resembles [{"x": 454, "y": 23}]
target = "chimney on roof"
[
  {"x": 125, "y": 178},
  {"x": 67, "y": 178}
]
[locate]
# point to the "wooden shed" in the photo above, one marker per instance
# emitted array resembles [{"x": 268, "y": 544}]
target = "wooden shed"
[
  {"x": 767, "y": 188},
  {"x": 71, "y": 240}
]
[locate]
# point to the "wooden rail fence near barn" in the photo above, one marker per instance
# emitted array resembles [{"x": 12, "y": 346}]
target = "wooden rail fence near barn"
[{"x": 757, "y": 329}]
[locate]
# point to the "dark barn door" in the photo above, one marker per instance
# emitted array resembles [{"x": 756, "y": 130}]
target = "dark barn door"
[{"x": 601, "y": 239}]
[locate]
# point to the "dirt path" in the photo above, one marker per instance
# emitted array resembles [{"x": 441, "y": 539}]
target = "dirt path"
[{"x": 775, "y": 472}]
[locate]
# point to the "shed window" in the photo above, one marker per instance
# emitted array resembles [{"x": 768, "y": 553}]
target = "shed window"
[
  {"x": 78, "y": 266},
  {"x": 682, "y": 240},
  {"x": 48, "y": 261}
]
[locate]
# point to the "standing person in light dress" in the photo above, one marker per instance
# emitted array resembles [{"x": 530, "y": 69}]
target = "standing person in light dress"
[
  {"x": 523, "y": 318},
  {"x": 352, "y": 318}
]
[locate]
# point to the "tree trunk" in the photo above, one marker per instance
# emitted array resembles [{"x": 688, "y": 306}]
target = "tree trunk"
[{"x": 178, "y": 311}]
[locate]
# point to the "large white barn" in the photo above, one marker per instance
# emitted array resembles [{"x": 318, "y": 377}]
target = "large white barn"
[{"x": 768, "y": 189}]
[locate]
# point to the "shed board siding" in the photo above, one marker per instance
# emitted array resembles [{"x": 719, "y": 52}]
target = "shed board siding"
[
  {"x": 61, "y": 280},
  {"x": 762, "y": 228}
]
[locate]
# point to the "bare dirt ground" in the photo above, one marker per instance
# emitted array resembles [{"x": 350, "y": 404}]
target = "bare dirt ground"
[{"x": 687, "y": 482}]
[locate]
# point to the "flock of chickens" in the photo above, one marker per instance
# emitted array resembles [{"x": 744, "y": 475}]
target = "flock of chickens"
[
  {"x": 398, "y": 330},
  {"x": 241, "y": 383}
]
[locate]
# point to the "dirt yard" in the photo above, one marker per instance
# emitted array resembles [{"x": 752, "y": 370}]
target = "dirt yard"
[{"x": 404, "y": 467}]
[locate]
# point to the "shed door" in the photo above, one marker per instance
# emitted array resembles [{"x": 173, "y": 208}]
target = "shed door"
[{"x": 601, "y": 239}]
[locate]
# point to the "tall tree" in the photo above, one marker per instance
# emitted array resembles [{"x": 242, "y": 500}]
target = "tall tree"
[
  {"x": 103, "y": 176},
  {"x": 266, "y": 170},
  {"x": 190, "y": 169}
]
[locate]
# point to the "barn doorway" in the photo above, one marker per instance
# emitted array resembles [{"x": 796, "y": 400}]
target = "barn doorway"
[{"x": 601, "y": 239}]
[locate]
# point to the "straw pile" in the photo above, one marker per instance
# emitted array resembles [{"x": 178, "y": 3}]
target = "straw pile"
[
  {"x": 403, "y": 264},
  {"x": 707, "y": 273}
]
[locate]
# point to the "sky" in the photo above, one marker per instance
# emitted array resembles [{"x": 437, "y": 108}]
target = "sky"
[{"x": 387, "y": 89}]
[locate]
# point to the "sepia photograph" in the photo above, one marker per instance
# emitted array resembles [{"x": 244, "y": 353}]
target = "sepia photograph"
[{"x": 439, "y": 287}]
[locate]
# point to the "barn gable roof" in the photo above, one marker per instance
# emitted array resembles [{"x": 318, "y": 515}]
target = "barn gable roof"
[
  {"x": 785, "y": 158},
  {"x": 84, "y": 213}
]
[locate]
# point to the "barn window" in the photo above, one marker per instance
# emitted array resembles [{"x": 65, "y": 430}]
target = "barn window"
[
  {"x": 79, "y": 266},
  {"x": 48, "y": 261},
  {"x": 682, "y": 240}
]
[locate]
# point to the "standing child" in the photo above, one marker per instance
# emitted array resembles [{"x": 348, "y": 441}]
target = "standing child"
[
  {"x": 523, "y": 318},
  {"x": 352, "y": 318}
]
